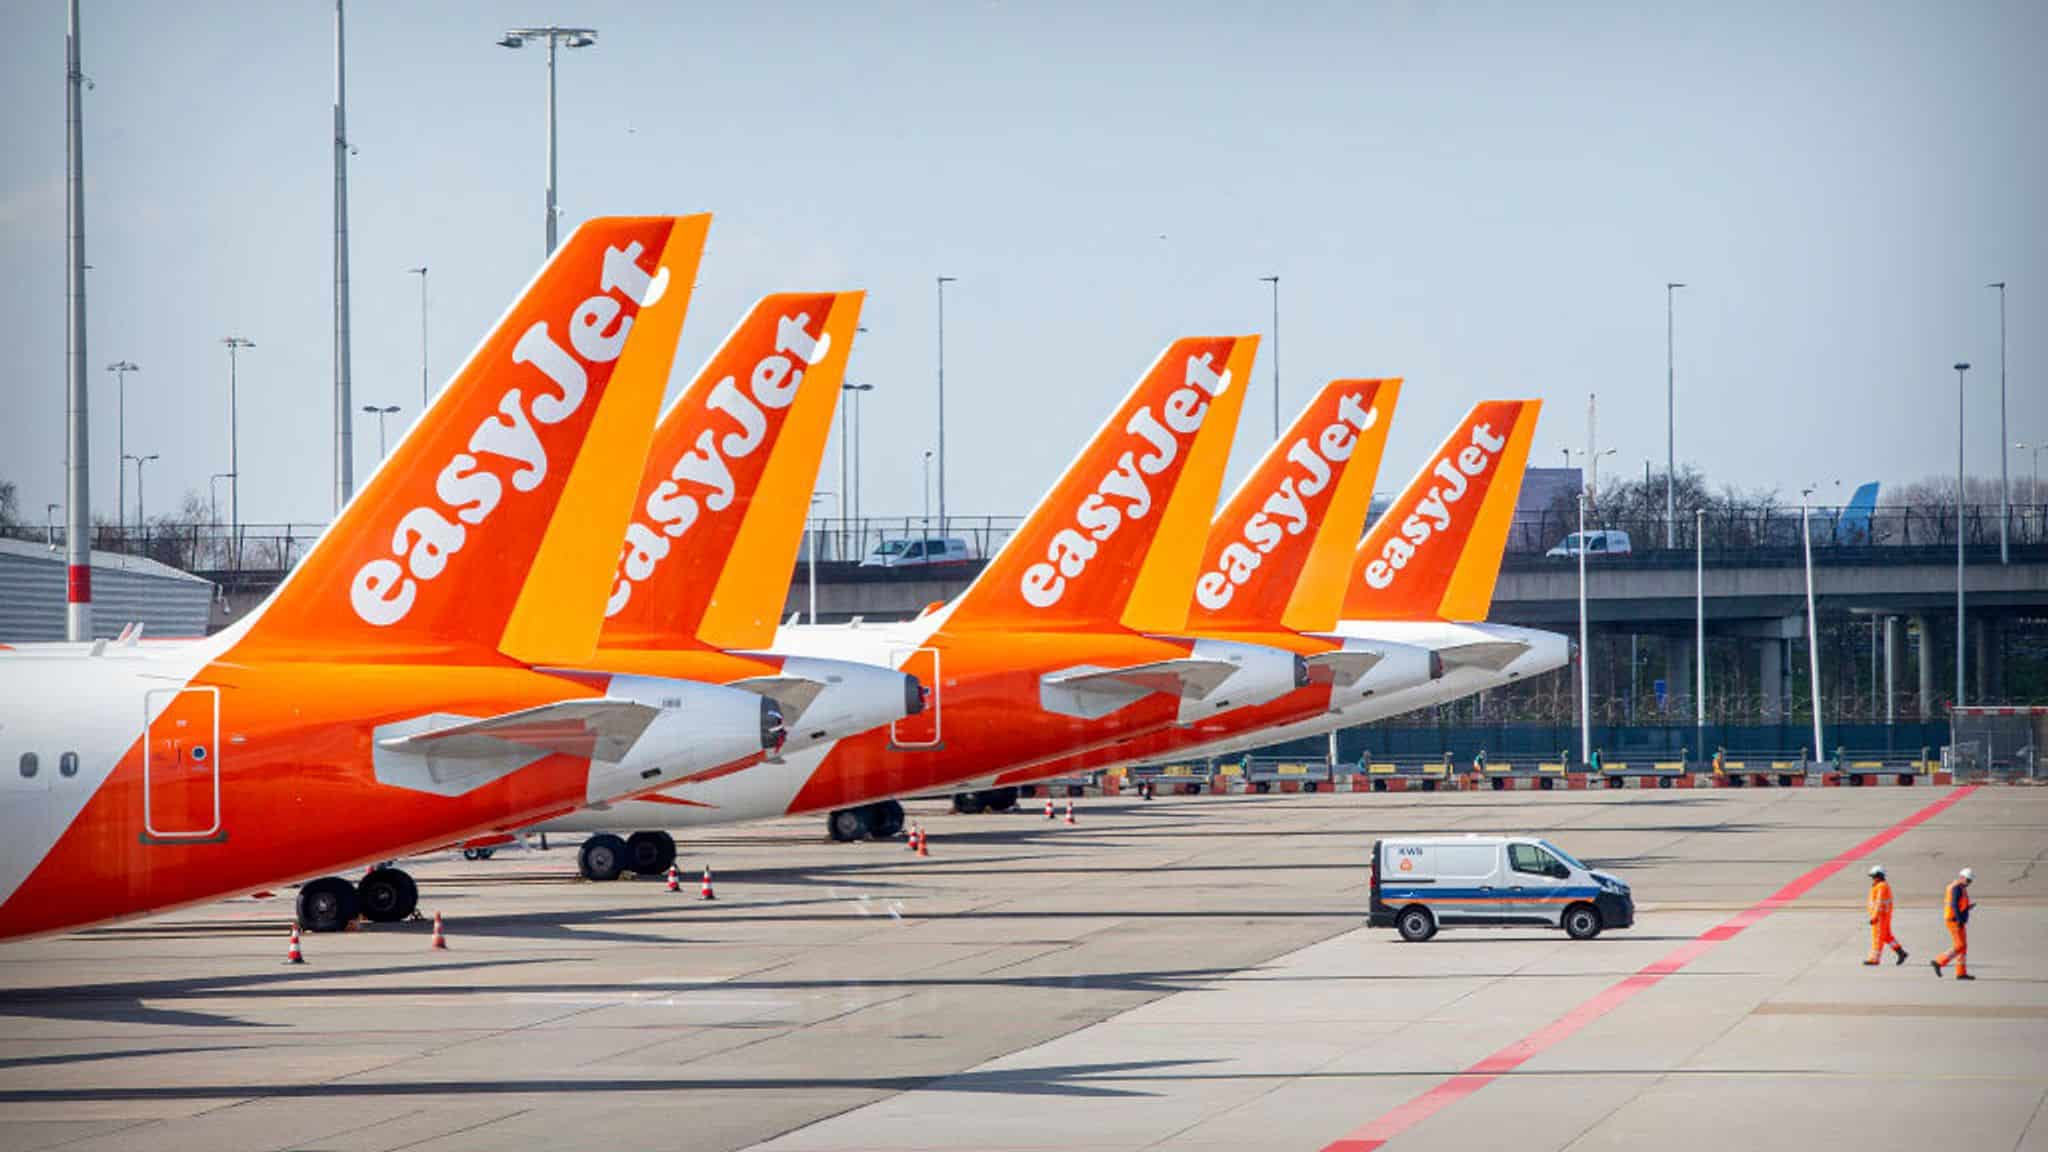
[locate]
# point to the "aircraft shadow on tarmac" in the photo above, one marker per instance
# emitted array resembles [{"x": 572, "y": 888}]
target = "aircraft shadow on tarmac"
[
  {"x": 124, "y": 1002},
  {"x": 1075, "y": 1080}
]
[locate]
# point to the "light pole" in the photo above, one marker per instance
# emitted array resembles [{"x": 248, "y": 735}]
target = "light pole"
[
  {"x": 425, "y": 395},
  {"x": 344, "y": 421},
  {"x": 1670, "y": 420},
  {"x": 1699, "y": 640},
  {"x": 943, "y": 281},
  {"x": 928, "y": 495},
  {"x": 555, "y": 37},
  {"x": 234, "y": 344},
  {"x": 2004, "y": 480},
  {"x": 1585, "y": 650},
  {"x": 121, "y": 369},
  {"x": 816, "y": 536},
  {"x": 1812, "y": 627},
  {"x": 380, "y": 412},
  {"x": 1962, "y": 367},
  {"x": 849, "y": 440},
  {"x": 1275, "y": 282},
  {"x": 141, "y": 512},
  {"x": 50, "y": 517},
  {"x": 77, "y": 478},
  {"x": 2034, "y": 484}
]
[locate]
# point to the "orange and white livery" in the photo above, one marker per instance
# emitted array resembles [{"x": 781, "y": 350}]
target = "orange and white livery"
[{"x": 390, "y": 697}]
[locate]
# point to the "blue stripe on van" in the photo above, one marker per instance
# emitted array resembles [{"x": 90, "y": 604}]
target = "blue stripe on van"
[{"x": 1528, "y": 892}]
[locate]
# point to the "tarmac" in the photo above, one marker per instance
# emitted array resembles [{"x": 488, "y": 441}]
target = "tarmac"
[{"x": 1188, "y": 973}]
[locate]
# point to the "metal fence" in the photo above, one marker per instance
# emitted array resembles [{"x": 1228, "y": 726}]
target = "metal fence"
[{"x": 1762, "y": 534}]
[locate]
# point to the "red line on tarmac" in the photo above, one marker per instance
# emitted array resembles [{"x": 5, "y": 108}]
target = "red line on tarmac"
[{"x": 1391, "y": 1124}]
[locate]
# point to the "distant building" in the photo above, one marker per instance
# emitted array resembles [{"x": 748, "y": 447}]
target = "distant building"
[
  {"x": 1544, "y": 491},
  {"x": 125, "y": 590}
]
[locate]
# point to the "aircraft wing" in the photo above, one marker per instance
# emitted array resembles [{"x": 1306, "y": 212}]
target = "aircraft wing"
[
  {"x": 1092, "y": 692},
  {"x": 1492, "y": 655},
  {"x": 1346, "y": 666},
  {"x": 793, "y": 694},
  {"x": 597, "y": 729}
]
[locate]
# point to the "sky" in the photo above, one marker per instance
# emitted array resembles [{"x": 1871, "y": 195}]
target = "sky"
[{"x": 1485, "y": 199}]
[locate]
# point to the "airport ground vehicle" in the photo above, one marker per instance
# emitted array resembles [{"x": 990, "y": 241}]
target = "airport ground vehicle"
[
  {"x": 401, "y": 690},
  {"x": 1601, "y": 542},
  {"x": 1422, "y": 883},
  {"x": 918, "y": 552}
]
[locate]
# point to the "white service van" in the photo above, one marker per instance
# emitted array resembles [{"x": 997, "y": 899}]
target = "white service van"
[
  {"x": 1605, "y": 542},
  {"x": 918, "y": 552},
  {"x": 1423, "y": 883}
]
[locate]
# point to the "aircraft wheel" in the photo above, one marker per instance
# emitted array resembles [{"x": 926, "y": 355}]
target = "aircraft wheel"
[
  {"x": 848, "y": 824},
  {"x": 327, "y": 904},
  {"x": 969, "y": 803},
  {"x": 387, "y": 895},
  {"x": 885, "y": 820},
  {"x": 1000, "y": 799},
  {"x": 650, "y": 853},
  {"x": 603, "y": 857}
]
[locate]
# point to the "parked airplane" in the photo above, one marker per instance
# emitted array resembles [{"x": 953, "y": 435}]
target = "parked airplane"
[
  {"x": 1072, "y": 637},
  {"x": 709, "y": 551},
  {"x": 386, "y": 698}
]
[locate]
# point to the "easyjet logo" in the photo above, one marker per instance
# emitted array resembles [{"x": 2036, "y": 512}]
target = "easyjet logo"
[
  {"x": 507, "y": 446},
  {"x": 1285, "y": 511},
  {"x": 1437, "y": 510},
  {"x": 1125, "y": 491},
  {"x": 701, "y": 479}
]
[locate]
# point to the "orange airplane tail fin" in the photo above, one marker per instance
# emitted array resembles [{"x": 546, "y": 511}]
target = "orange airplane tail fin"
[
  {"x": 1278, "y": 552},
  {"x": 1436, "y": 552},
  {"x": 1117, "y": 541},
  {"x": 727, "y": 487},
  {"x": 492, "y": 527}
]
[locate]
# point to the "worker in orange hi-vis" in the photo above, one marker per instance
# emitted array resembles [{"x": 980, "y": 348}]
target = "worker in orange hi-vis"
[
  {"x": 1881, "y": 918},
  {"x": 1955, "y": 908}
]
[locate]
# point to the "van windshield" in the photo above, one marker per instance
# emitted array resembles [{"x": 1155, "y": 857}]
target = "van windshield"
[
  {"x": 890, "y": 547},
  {"x": 1563, "y": 855}
]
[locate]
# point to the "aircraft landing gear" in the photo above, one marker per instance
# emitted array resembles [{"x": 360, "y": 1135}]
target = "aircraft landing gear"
[
  {"x": 650, "y": 853},
  {"x": 881, "y": 821},
  {"x": 603, "y": 857},
  {"x": 327, "y": 904},
  {"x": 387, "y": 895}
]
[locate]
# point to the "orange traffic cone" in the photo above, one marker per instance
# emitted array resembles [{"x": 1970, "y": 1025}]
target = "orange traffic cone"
[
  {"x": 705, "y": 892},
  {"x": 1070, "y": 811},
  {"x": 292, "y": 955},
  {"x": 675, "y": 879},
  {"x": 440, "y": 943},
  {"x": 922, "y": 849},
  {"x": 910, "y": 837},
  {"x": 1048, "y": 807}
]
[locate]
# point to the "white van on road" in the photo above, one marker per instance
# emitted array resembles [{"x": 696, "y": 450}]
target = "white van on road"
[
  {"x": 1420, "y": 884},
  {"x": 1604, "y": 542},
  {"x": 916, "y": 552}
]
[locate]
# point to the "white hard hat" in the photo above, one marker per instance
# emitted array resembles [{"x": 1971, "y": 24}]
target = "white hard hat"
[
  {"x": 1877, "y": 869},
  {"x": 1969, "y": 875}
]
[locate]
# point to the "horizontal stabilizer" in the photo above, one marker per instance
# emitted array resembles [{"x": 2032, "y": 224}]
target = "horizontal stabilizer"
[
  {"x": 792, "y": 694},
  {"x": 1090, "y": 693},
  {"x": 595, "y": 729},
  {"x": 1490, "y": 655},
  {"x": 1346, "y": 666}
]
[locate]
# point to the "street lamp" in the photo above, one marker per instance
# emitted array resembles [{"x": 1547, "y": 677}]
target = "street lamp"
[
  {"x": 1699, "y": 643},
  {"x": 234, "y": 344},
  {"x": 2004, "y": 481},
  {"x": 1670, "y": 420},
  {"x": 50, "y": 516},
  {"x": 849, "y": 434},
  {"x": 1585, "y": 649},
  {"x": 213, "y": 496},
  {"x": 380, "y": 412},
  {"x": 1275, "y": 282},
  {"x": 121, "y": 369},
  {"x": 425, "y": 396},
  {"x": 2033, "y": 484},
  {"x": 555, "y": 37},
  {"x": 1812, "y": 627},
  {"x": 943, "y": 281},
  {"x": 1962, "y": 367},
  {"x": 816, "y": 536},
  {"x": 141, "y": 516}
]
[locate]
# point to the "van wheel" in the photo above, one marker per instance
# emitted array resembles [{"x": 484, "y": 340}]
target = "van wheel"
[
  {"x": 1581, "y": 922},
  {"x": 1417, "y": 925}
]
